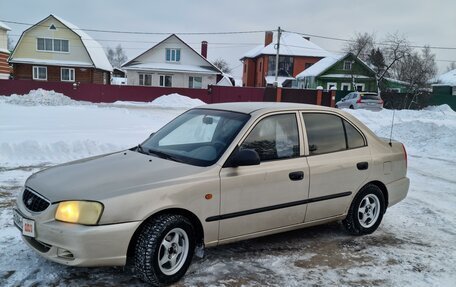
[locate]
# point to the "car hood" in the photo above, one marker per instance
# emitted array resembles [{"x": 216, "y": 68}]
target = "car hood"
[{"x": 104, "y": 176}]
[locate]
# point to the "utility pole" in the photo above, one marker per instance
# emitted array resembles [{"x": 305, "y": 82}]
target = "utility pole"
[{"x": 279, "y": 34}]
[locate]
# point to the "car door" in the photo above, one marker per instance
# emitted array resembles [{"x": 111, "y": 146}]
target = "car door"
[
  {"x": 339, "y": 161},
  {"x": 266, "y": 196},
  {"x": 345, "y": 101}
]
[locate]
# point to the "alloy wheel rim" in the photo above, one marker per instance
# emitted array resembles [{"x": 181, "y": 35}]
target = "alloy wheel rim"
[
  {"x": 173, "y": 251},
  {"x": 368, "y": 210}
]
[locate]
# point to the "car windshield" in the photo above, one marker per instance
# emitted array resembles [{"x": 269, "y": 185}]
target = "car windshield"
[
  {"x": 197, "y": 137},
  {"x": 370, "y": 97}
]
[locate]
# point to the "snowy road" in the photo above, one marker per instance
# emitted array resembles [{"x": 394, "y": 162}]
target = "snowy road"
[{"x": 414, "y": 245}]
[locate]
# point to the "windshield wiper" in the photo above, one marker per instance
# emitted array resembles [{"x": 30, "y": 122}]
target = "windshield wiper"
[
  {"x": 140, "y": 149},
  {"x": 164, "y": 155}
]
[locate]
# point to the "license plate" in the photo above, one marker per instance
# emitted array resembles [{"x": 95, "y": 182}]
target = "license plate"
[{"x": 27, "y": 226}]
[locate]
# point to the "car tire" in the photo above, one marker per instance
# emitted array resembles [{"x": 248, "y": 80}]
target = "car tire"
[
  {"x": 164, "y": 249},
  {"x": 352, "y": 107},
  {"x": 336, "y": 106},
  {"x": 366, "y": 211}
]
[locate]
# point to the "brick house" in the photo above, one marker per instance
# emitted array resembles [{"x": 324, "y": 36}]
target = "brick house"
[
  {"x": 297, "y": 53},
  {"x": 4, "y": 52},
  {"x": 56, "y": 50}
]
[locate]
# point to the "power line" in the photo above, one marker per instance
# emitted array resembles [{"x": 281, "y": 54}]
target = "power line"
[
  {"x": 141, "y": 32},
  {"x": 378, "y": 43}
]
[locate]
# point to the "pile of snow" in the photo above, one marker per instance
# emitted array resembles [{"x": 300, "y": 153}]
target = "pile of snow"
[
  {"x": 429, "y": 131},
  {"x": 171, "y": 101},
  {"x": 177, "y": 101},
  {"x": 40, "y": 97}
]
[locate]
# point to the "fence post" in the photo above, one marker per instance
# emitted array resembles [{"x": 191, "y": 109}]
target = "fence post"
[
  {"x": 319, "y": 95},
  {"x": 278, "y": 94},
  {"x": 333, "y": 98}
]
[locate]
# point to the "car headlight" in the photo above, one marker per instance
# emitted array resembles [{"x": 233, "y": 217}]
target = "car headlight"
[{"x": 81, "y": 212}]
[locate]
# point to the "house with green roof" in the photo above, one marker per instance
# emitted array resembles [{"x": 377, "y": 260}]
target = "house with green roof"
[{"x": 344, "y": 73}]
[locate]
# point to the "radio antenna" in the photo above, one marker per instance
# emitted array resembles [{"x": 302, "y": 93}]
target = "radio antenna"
[{"x": 391, "y": 133}]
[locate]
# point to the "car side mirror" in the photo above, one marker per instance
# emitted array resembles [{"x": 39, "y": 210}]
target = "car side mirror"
[{"x": 244, "y": 157}]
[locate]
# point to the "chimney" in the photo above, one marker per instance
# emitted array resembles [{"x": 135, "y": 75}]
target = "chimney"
[
  {"x": 267, "y": 38},
  {"x": 307, "y": 38},
  {"x": 204, "y": 49}
]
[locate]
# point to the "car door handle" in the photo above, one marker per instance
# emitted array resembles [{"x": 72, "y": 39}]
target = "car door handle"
[
  {"x": 362, "y": 165},
  {"x": 296, "y": 175}
]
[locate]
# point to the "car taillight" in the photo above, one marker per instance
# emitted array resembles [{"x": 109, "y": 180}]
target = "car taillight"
[
  {"x": 405, "y": 155},
  {"x": 358, "y": 101},
  {"x": 381, "y": 102}
]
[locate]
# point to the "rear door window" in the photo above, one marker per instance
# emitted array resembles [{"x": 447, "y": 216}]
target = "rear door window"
[
  {"x": 325, "y": 133},
  {"x": 329, "y": 133}
]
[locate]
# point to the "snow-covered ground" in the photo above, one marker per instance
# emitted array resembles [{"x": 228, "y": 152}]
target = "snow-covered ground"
[{"x": 414, "y": 245}]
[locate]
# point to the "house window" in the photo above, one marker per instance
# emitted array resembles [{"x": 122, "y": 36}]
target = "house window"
[
  {"x": 329, "y": 86},
  {"x": 285, "y": 66},
  {"x": 166, "y": 81},
  {"x": 67, "y": 75},
  {"x": 39, "y": 73},
  {"x": 52, "y": 45},
  {"x": 347, "y": 65},
  {"x": 172, "y": 55},
  {"x": 195, "y": 82},
  {"x": 345, "y": 87},
  {"x": 359, "y": 87},
  {"x": 145, "y": 79}
]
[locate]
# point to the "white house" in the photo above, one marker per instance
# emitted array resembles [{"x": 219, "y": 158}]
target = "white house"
[{"x": 172, "y": 63}]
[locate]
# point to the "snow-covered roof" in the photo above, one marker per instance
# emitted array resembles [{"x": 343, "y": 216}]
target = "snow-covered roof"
[
  {"x": 4, "y": 26},
  {"x": 320, "y": 66},
  {"x": 52, "y": 62},
  {"x": 449, "y": 78},
  {"x": 168, "y": 67},
  {"x": 345, "y": 76},
  {"x": 95, "y": 50},
  {"x": 291, "y": 44},
  {"x": 211, "y": 68},
  {"x": 280, "y": 80}
]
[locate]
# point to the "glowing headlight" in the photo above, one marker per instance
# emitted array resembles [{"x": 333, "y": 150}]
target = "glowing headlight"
[{"x": 81, "y": 212}]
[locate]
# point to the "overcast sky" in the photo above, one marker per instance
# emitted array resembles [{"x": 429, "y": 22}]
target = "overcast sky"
[{"x": 422, "y": 22}]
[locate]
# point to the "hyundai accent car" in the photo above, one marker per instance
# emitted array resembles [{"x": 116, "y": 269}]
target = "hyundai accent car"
[
  {"x": 361, "y": 100},
  {"x": 215, "y": 174}
]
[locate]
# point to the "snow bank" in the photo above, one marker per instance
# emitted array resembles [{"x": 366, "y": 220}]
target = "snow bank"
[
  {"x": 442, "y": 108},
  {"x": 177, "y": 101},
  {"x": 171, "y": 101},
  {"x": 40, "y": 97}
]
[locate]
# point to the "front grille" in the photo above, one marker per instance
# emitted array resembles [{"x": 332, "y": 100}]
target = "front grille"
[{"x": 33, "y": 201}]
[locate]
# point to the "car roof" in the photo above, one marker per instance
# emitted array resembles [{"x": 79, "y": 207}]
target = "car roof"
[{"x": 251, "y": 107}]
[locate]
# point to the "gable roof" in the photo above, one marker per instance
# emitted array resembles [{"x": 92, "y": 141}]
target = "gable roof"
[
  {"x": 137, "y": 64},
  {"x": 93, "y": 48},
  {"x": 291, "y": 44},
  {"x": 325, "y": 64},
  {"x": 4, "y": 26}
]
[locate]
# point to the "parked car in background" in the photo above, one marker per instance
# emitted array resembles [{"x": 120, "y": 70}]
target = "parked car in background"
[
  {"x": 361, "y": 100},
  {"x": 216, "y": 174}
]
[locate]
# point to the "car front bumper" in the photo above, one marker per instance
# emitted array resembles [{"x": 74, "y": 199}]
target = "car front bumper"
[{"x": 79, "y": 245}]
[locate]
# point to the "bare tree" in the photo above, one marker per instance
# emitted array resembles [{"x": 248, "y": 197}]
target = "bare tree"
[
  {"x": 222, "y": 65},
  {"x": 10, "y": 44},
  {"x": 451, "y": 67},
  {"x": 116, "y": 56},
  {"x": 360, "y": 45}
]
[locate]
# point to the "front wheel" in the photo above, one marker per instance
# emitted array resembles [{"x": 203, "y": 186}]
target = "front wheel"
[
  {"x": 164, "y": 249},
  {"x": 366, "y": 211}
]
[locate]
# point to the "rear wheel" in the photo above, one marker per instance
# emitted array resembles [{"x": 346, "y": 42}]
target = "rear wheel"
[
  {"x": 164, "y": 249},
  {"x": 352, "y": 107},
  {"x": 366, "y": 211}
]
